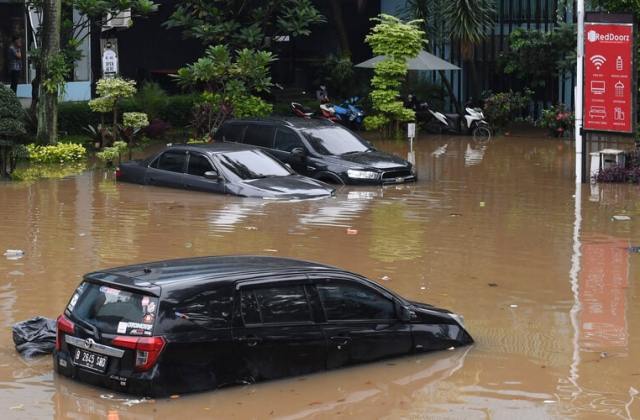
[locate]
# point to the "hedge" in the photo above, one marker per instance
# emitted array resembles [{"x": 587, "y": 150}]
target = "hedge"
[{"x": 74, "y": 116}]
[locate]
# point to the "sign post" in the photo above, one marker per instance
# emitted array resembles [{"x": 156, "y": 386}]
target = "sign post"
[
  {"x": 109, "y": 61},
  {"x": 411, "y": 134}
]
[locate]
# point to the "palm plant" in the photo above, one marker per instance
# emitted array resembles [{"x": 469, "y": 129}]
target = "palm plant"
[
  {"x": 468, "y": 22},
  {"x": 463, "y": 21}
]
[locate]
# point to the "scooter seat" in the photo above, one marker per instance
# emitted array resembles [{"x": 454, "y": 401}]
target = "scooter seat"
[{"x": 453, "y": 117}]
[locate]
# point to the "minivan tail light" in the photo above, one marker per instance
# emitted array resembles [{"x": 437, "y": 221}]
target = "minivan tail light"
[
  {"x": 63, "y": 325},
  {"x": 147, "y": 349},
  {"x": 118, "y": 172}
]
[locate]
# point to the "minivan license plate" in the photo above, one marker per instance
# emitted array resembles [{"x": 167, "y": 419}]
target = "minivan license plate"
[{"x": 90, "y": 360}]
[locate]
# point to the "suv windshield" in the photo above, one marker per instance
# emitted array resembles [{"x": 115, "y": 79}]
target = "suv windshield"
[
  {"x": 114, "y": 311},
  {"x": 334, "y": 141},
  {"x": 252, "y": 164}
]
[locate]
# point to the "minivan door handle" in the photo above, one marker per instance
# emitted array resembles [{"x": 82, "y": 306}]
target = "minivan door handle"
[
  {"x": 251, "y": 340},
  {"x": 340, "y": 340}
]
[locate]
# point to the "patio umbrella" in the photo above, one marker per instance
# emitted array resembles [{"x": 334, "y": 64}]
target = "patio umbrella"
[{"x": 424, "y": 61}]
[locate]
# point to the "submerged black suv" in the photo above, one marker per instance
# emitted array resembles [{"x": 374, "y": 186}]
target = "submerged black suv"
[
  {"x": 193, "y": 324},
  {"x": 320, "y": 149}
]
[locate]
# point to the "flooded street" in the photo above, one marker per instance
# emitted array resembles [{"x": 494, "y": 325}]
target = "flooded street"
[{"x": 549, "y": 294}]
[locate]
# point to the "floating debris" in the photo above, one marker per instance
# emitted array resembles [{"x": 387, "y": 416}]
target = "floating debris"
[
  {"x": 492, "y": 284},
  {"x": 634, "y": 249},
  {"x": 513, "y": 306},
  {"x": 14, "y": 254},
  {"x": 621, "y": 218},
  {"x": 482, "y": 204},
  {"x": 385, "y": 278},
  {"x": 352, "y": 231}
]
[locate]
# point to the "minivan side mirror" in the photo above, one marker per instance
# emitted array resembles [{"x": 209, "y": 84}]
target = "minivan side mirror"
[
  {"x": 404, "y": 313},
  {"x": 212, "y": 175}
]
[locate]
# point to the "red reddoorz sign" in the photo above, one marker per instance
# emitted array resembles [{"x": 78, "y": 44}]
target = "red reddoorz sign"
[{"x": 608, "y": 77}]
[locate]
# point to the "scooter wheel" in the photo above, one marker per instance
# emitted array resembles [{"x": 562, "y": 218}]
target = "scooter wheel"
[{"x": 481, "y": 133}]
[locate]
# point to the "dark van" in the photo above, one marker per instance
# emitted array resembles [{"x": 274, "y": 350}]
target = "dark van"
[
  {"x": 188, "y": 325},
  {"x": 319, "y": 149}
]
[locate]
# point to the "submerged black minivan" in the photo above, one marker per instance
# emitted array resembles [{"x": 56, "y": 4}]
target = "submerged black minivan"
[
  {"x": 320, "y": 149},
  {"x": 187, "y": 325}
]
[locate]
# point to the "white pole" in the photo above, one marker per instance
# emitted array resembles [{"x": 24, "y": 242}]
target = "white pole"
[{"x": 579, "y": 90}]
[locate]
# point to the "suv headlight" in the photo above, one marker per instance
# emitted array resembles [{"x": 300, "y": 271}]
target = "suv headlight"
[
  {"x": 458, "y": 318},
  {"x": 357, "y": 174}
]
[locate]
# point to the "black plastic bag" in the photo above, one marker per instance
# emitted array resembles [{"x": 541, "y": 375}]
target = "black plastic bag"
[{"x": 35, "y": 336}]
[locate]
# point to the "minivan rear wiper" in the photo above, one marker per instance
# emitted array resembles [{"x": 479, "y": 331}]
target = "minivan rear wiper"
[{"x": 87, "y": 325}]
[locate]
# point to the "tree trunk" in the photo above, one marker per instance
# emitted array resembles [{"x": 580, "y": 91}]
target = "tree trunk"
[{"x": 48, "y": 102}]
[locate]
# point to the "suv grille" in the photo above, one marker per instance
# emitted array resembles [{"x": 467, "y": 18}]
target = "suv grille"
[{"x": 400, "y": 173}]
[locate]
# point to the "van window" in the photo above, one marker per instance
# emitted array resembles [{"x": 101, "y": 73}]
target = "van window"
[
  {"x": 282, "y": 304},
  {"x": 234, "y": 132},
  {"x": 259, "y": 135},
  {"x": 287, "y": 140},
  {"x": 112, "y": 310},
  {"x": 345, "y": 301},
  {"x": 209, "y": 309}
]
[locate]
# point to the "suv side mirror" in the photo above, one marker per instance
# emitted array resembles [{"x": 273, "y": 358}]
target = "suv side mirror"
[
  {"x": 298, "y": 153},
  {"x": 212, "y": 175},
  {"x": 404, "y": 313}
]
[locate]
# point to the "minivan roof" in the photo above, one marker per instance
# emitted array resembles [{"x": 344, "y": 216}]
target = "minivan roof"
[
  {"x": 292, "y": 122},
  {"x": 173, "y": 274}
]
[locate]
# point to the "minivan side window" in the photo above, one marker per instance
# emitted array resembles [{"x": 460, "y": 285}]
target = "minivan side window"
[
  {"x": 287, "y": 140},
  {"x": 234, "y": 132},
  {"x": 349, "y": 301},
  {"x": 198, "y": 164},
  {"x": 259, "y": 135},
  {"x": 208, "y": 309},
  {"x": 276, "y": 304},
  {"x": 171, "y": 161}
]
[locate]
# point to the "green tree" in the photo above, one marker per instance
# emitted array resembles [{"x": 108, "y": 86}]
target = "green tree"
[
  {"x": 55, "y": 59},
  {"x": 397, "y": 41},
  {"x": 230, "y": 83},
  {"x": 11, "y": 130},
  {"x": 539, "y": 57},
  {"x": 243, "y": 24}
]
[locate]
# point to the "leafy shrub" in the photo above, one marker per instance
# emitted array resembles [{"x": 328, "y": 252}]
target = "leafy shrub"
[
  {"x": 59, "y": 153},
  {"x": 73, "y": 117},
  {"x": 114, "y": 153},
  {"x": 135, "y": 120},
  {"x": 178, "y": 110},
  {"x": 502, "y": 108},
  {"x": 151, "y": 99},
  {"x": 11, "y": 115},
  {"x": 157, "y": 128},
  {"x": 557, "y": 119}
]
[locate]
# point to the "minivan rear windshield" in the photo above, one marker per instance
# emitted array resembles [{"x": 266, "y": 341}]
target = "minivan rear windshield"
[
  {"x": 112, "y": 310},
  {"x": 335, "y": 141}
]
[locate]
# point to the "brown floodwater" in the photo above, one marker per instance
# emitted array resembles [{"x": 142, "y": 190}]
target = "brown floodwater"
[{"x": 549, "y": 293}]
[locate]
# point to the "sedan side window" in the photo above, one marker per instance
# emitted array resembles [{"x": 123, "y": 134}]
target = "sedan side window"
[
  {"x": 260, "y": 135},
  {"x": 198, "y": 165},
  {"x": 287, "y": 140},
  {"x": 344, "y": 301},
  {"x": 282, "y": 304},
  {"x": 172, "y": 161},
  {"x": 209, "y": 309}
]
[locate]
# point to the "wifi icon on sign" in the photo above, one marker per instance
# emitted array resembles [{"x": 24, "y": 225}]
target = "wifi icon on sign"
[{"x": 598, "y": 60}]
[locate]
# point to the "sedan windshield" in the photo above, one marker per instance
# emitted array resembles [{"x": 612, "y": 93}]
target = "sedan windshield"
[
  {"x": 335, "y": 141},
  {"x": 252, "y": 164}
]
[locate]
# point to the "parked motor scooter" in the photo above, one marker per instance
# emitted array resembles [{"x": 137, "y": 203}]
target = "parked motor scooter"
[
  {"x": 472, "y": 122},
  {"x": 350, "y": 113}
]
